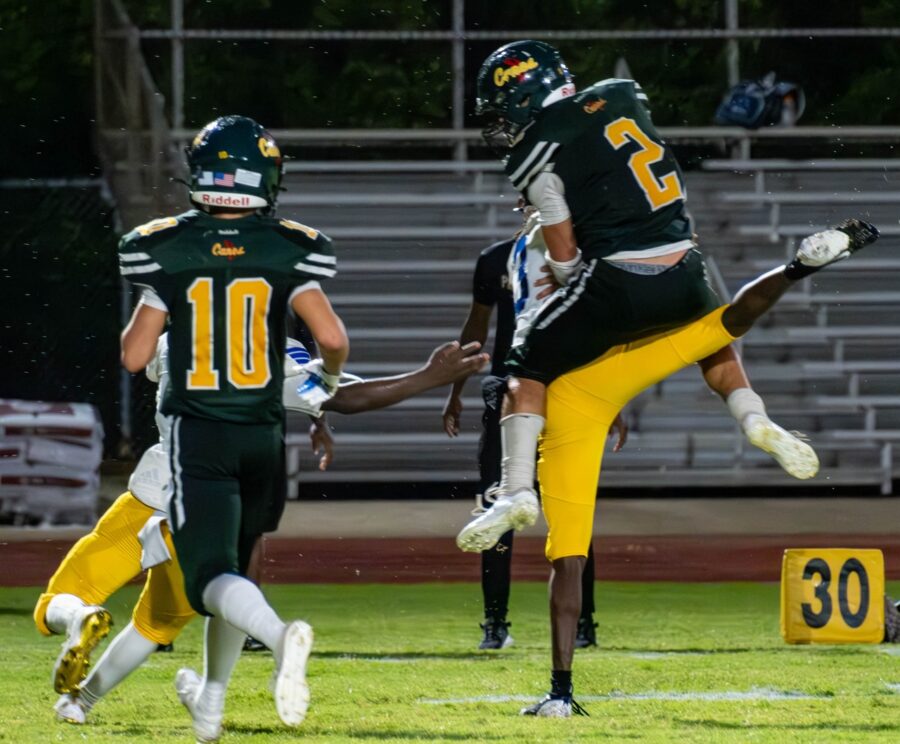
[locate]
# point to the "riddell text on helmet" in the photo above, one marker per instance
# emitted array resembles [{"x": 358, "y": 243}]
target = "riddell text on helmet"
[{"x": 225, "y": 200}]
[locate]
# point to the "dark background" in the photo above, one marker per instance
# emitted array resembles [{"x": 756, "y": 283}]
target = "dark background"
[{"x": 59, "y": 290}]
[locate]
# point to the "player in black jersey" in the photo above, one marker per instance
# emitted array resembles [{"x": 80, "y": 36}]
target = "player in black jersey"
[
  {"x": 490, "y": 289},
  {"x": 634, "y": 305}
]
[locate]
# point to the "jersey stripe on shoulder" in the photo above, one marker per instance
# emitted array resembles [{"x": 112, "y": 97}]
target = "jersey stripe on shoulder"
[
  {"x": 313, "y": 269},
  {"x": 535, "y": 152},
  {"x": 321, "y": 258},
  {"x": 537, "y": 167},
  {"x": 142, "y": 269}
]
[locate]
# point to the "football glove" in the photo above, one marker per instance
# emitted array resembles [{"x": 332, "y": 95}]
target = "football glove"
[{"x": 308, "y": 390}]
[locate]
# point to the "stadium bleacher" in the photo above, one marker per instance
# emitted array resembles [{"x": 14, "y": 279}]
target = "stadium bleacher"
[
  {"x": 408, "y": 232},
  {"x": 408, "y": 238}
]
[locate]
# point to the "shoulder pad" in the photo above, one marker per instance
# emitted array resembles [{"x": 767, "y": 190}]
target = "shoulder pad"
[
  {"x": 314, "y": 256},
  {"x": 155, "y": 231},
  {"x": 527, "y": 160},
  {"x": 501, "y": 246},
  {"x": 615, "y": 84},
  {"x": 298, "y": 227}
]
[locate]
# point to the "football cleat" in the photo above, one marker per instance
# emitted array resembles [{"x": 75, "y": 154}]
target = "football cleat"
[
  {"x": 88, "y": 627},
  {"x": 207, "y": 723},
  {"x": 70, "y": 709},
  {"x": 496, "y": 634},
  {"x": 587, "y": 632},
  {"x": 836, "y": 244},
  {"x": 554, "y": 706},
  {"x": 291, "y": 690},
  {"x": 790, "y": 451},
  {"x": 251, "y": 644},
  {"x": 509, "y": 512}
]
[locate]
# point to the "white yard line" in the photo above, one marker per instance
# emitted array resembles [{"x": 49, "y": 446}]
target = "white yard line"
[{"x": 756, "y": 693}]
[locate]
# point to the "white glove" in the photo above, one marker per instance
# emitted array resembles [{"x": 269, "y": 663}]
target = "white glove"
[
  {"x": 564, "y": 270},
  {"x": 310, "y": 389}
]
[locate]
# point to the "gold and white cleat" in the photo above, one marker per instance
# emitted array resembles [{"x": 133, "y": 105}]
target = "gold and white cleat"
[{"x": 90, "y": 626}]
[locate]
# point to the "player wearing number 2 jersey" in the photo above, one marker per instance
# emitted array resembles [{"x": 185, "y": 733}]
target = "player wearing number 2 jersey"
[
  {"x": 223, "y": 276},
  {"x": 634, "y": 306}
]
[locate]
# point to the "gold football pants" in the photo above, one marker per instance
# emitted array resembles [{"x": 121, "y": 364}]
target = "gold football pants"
[
  {"x": 107, "y": 558},
  {"x": 582, "y": 405}
]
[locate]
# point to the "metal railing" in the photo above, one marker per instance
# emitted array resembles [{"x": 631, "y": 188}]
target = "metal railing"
[
  {"x": 123, "y": 32},
  {"x": 133, "y": 133}
]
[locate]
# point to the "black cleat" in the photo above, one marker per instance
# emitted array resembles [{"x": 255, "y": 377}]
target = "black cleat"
[
  {"x": 860, "y": 233},
  {"x": 496, "y": 634},
  {"x": 165, "y": 648},
  {"x": 587, "y": 632},
  {"x": 251, "y": 644}
]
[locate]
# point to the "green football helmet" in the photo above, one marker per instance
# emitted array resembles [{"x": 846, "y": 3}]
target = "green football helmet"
[
  {"x": 236, "y": 164},
  {"x": 515, "y": 83}
]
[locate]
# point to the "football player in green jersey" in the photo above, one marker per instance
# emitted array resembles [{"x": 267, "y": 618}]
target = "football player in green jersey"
[
  {"x": 620, "y": 246},
  {"x": 222, "y": 275}
]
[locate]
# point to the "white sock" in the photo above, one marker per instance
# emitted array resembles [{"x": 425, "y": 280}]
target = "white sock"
[
  {"x": 519, "y": 434},
  {"x": 127, "y": 651},
  {"x": 744, "y": 404},
  {"x": 61, "y": 610},
  {"x": 222, "y": 649},
  {"x": 239, "y": 602}
]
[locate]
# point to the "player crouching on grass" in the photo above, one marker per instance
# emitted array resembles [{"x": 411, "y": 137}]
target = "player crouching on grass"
[{"x": 133, "y": 536}]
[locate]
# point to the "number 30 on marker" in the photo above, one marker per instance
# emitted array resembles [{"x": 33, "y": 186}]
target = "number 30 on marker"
[{"x": 832, "y": 595}]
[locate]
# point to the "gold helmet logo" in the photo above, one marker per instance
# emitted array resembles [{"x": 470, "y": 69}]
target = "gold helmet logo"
[
  {"x": 502, "y": 75},
  {"x": 268, "y": 148}
]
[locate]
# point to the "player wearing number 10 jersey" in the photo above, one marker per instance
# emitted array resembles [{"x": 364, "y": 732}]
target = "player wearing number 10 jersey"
[
  {"x": 231, "y": 280},
  {"x": 223, "y": 276}
]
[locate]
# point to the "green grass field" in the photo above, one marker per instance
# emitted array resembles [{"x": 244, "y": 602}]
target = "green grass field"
[{"x": 397, "y": 664}]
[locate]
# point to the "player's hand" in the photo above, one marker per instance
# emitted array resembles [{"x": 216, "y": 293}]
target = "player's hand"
[
  {"x": 548, "y": 281},
  {"x": 451, "y": 362},
  {"x": 619, "y": 428},
  {"x": 451, "y": 415},
  {"x": 322, "y": 442}
]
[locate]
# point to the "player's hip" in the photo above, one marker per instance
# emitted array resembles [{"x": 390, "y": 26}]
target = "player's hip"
[{"x": 213, "y": 450}]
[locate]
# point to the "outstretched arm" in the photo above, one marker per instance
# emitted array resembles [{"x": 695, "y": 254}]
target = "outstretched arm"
[
  {"x": 474, "y": 329},
  {"x": 446, "y": 364}
]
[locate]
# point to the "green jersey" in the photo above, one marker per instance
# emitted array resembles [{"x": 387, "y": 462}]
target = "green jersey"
[
  {"x": 226, "y": 284},
  {"x": 621, "y": 182}
]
